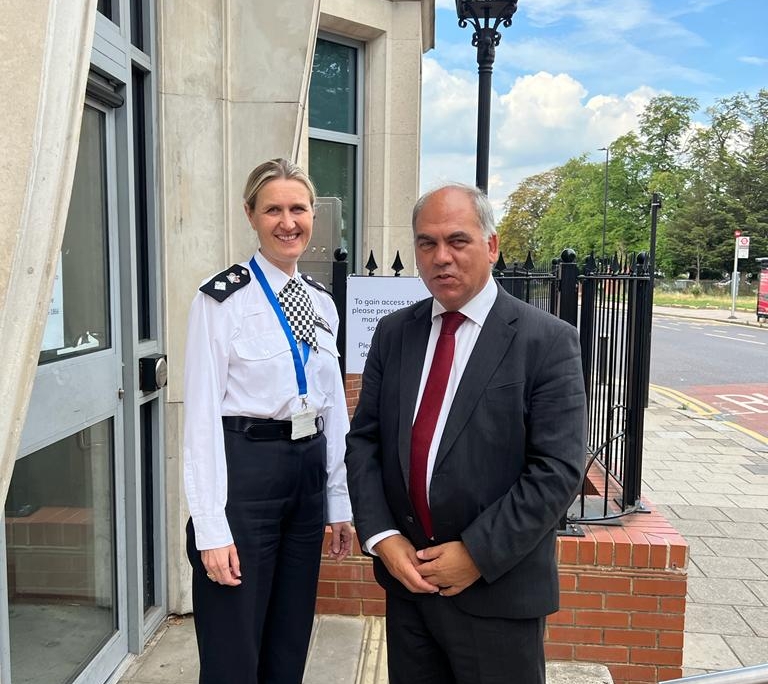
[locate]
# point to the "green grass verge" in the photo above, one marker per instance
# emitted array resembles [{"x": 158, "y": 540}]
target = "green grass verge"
[{"x": 703, "y": 301}]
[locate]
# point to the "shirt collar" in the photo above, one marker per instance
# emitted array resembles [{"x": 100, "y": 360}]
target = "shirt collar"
[
  {"x": 276, "y": 278},
  {"x": 477, "y": 308}
]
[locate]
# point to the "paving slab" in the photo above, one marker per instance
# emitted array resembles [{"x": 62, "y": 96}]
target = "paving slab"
[
  {"x": 729, "y": 568},
  {"x": 721, "y": 620},
  {"x": 170, "y": 658},
  {"x": 738, "y": 548},
  {"x": 747, "y": 514},
  {"x": 335, "y": 650},
  {"x": 698, "y": 546},
  {"x": 748, "y": 501},
  {"x": 708, "y": 652},
  {"x": 709, "y": 513},
  {"x": 721, "y": 592},
  {"x": 759, "y": 588},
  {"x": 755, "y": 617},
  {"x": 697, "y": 528},
  {"x": 708, "y": 499},
  {"x": 749, "y": 650},
  {"x": 719, "y": 487},
  {"x": 742, "y": 530}
]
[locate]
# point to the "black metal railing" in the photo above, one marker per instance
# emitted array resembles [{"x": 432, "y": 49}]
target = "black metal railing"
[
  {"x": 754, "y": 674},
  {"x": 615, "y": 333},
  {"x": 610, "y": 303}
]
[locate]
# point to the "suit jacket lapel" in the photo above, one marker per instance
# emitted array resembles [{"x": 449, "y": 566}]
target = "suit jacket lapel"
[
  {"x": 413, "y": 348},
  {"x": 492, "y": 344}
]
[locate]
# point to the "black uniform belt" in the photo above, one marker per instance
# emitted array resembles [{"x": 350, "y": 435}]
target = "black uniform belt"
[{"x": 264, "y": 429}]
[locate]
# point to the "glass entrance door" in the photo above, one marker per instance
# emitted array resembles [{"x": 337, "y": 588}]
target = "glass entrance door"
[{"x": 64, "y": 551}]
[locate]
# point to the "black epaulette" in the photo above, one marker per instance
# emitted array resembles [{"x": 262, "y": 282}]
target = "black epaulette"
[
  {"x": 309, "y": 280},
  {"x": 225, "y": 283}
]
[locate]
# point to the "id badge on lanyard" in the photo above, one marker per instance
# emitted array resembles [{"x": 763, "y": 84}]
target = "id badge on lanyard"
[{"x": 303, "y": 421}]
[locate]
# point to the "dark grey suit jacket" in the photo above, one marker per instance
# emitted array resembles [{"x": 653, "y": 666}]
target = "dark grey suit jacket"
[{"x": 509, "y": 463}]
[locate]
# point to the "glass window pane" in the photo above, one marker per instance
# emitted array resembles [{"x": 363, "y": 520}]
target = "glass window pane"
[
  {"x": 147, "y": 432},
  {"x": 79, "y": 317},
  {"x": 332, "y": 169},
  {"x": 332, "y": 92},
  {"x": 109, "y": 9},
  {"x": 60, "y": 534},
  {"x": 140, "y": 170},
  {"x": 137, "y": 23}
]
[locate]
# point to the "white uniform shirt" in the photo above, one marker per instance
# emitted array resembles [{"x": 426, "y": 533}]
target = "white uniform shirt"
[
  {"x": 239, "y": 363},
  {"x": 476, "y": 310}
]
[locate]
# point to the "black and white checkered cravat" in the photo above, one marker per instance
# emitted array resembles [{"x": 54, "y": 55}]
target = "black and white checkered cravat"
[{"x": 297, "y": 307}]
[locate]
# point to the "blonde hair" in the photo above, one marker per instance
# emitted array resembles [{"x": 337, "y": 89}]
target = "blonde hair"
[{"x": 272, "y": 170}]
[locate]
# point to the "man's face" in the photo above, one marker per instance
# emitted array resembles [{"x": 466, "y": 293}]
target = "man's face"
[{"x": 453, "y": 257}]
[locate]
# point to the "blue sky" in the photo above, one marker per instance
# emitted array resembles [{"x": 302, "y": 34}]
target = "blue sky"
[{"x": 572, "y": 75}]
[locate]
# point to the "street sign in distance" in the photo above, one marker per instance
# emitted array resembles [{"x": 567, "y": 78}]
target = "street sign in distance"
[{"x": 742, "y": 247}]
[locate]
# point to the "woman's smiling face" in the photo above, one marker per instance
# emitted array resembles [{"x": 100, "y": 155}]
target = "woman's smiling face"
[{"x": 282, "y": 217}]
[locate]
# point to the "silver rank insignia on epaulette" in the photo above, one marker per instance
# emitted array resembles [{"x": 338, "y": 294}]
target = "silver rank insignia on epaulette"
[
  {"x": 225, "y": 283},
  {"x": 309, "y": 280}
]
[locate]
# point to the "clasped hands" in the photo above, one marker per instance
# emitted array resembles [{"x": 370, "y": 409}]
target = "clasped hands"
[{"x": 446, "y": 569}]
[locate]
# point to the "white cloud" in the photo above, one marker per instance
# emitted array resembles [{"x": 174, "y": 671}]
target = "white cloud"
[
  {"x": 541, "y": 122},
  {"x": 545, "y": 117},
  {"x": 449, "y": 108},
  {"x": 757, "y": 61}
]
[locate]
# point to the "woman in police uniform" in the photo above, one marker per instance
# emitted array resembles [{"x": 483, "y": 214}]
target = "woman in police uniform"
[{"x": 265, "y": 420}]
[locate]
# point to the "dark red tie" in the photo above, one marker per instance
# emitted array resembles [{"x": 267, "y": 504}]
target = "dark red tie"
[{"x": 429, "y": 410}]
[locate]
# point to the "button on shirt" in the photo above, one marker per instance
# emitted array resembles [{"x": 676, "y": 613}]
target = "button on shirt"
[
  {"x": 476, "y": 310},
  {"x": 239, "y": 363}
]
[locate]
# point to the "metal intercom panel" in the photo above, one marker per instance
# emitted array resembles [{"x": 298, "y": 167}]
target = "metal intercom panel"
[{"x": 326, "y": 237}]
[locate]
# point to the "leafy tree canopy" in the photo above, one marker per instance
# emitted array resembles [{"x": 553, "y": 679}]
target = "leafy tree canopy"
[{"x": 712, "y": 177}]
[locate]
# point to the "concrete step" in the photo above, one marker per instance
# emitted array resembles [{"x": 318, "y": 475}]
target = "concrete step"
[
  {"x": 352, "y": 650},
  {"x": 564, "y": 672}
]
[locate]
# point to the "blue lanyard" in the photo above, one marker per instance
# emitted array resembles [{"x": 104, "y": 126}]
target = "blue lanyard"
[{"x": 301, "y": 376}]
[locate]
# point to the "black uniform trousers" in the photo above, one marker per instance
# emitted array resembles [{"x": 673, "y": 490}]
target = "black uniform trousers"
[
  {"x": 431, "y": 641},
  {"x": 258, "y": 632}
]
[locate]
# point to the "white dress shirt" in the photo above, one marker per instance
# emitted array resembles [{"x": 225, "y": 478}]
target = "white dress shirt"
[
  {"x": 239, "y": 363},
  {"x": 476, "y": 310}
]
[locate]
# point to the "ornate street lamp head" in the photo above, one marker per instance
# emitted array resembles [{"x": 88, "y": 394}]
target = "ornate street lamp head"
[{"x": 474, "y": 10}]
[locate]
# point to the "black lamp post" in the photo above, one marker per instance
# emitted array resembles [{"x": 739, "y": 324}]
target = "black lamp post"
[
  {"x": 485, "y": 17},
  {"x": 605, "y": 193}
]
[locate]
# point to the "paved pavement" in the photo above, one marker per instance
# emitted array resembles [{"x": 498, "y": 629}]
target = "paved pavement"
[{"x": 707, "y": 476}]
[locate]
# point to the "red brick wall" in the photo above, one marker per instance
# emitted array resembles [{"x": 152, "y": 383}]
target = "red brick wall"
[
  {"x": 353, "y": 384},
  {"x": 622, "y": 593},
  {"x": 622, "y": 599}
]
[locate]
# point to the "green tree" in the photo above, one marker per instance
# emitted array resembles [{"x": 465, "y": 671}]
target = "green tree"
[
  {"x": 752, "y": 180},
  {"x": 574, "y": 217},
  {"x": 714, "y": 201},
  {"x": 712, "y": 177},
  {"x": 523, "y": 211}
]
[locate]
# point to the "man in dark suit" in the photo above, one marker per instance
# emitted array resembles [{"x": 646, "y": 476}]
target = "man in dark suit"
[{"x": 462, "y": 456}]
